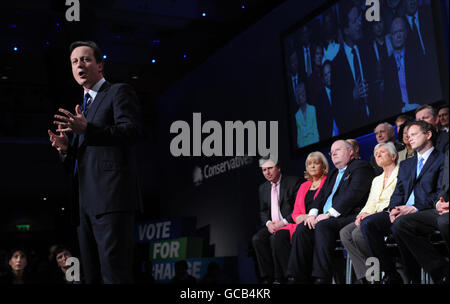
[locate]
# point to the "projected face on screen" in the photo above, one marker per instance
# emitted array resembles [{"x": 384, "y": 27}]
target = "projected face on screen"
[{"x": 345, "y": 74}]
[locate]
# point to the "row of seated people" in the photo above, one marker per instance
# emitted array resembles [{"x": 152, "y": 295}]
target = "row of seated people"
[
  {"x": 405, "y": 196},
  {"x": 19, "y": 270}
]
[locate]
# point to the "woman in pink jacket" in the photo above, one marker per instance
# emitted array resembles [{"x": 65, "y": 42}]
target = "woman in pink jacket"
[{"x": 316, "y": 172}]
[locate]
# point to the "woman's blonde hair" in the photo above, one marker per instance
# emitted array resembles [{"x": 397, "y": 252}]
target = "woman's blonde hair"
[{"x": 320, "y": 157}]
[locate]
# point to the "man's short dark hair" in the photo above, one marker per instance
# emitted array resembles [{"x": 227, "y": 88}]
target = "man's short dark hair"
[
  {"x": 98, "y": 55},
  {"x": 425, "y": 127},
  {"x": 445, "y": 106},
  {"x": 60, "y": 249}
]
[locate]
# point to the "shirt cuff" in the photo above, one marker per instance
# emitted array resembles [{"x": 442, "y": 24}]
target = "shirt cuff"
[
  {"x": 267, "y": 223},
  {"x": 333, "y": 212},
  {"x": 314, "y": 212},
  {"x": 285, "y": 222}
]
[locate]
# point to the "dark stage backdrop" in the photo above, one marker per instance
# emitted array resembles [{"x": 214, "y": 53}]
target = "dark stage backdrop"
[{"x": 243, "y": 81}]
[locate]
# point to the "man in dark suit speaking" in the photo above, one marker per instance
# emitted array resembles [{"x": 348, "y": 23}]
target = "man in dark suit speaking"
[{"x": 102, "y": 162}]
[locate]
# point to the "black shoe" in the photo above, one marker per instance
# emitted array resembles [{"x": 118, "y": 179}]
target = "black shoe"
[
  {"x": 392, "y": 278},
  {"x": 363, "y": 281},
  {"x": 321, "y": 281},
  {"x": 266, "y": 281}
]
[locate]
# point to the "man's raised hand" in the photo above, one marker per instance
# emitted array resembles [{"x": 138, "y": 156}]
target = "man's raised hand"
[{"x": 75, "y": 123}]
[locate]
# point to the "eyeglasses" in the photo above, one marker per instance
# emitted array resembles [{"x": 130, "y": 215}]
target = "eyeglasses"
[{"x": 415, "y": 134}]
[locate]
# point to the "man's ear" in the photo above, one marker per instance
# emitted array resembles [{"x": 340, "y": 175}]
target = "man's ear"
[{"x": 100, "y": 67}]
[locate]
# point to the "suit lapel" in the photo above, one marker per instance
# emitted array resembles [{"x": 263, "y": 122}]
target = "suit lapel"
[
  {"x": 282, "y": 192},
  {"x": 98, "y": 100},
  {"x": 428, "y": 164}
]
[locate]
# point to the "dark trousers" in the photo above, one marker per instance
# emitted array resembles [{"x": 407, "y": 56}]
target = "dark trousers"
[
  {"x": 272, "y": 253},
  {"x": 414, "y": 231},
  {"x": 106, "y": 246},
  {"x": 443, "y": 226},
  {"x": 313, "y": 249},
  {"x": 375, "y": 228}
]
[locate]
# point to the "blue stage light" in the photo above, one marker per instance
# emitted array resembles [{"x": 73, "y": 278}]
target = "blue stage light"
[
  {"x": 184, "y": 56},
  {"x": 104, "y": 56},
  {"x": 15, "y": 48},
  {"x": 204, "y": 14},
  {"x": 153, "y": 60}
]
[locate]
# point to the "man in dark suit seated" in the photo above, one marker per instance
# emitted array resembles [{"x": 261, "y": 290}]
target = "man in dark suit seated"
[
  {"x": 428, "y": 113},
  {"x": 418, "y": 184},
  {"x": 415, "y": 230},
  {"x": 102, "y": 163},
  {"x": 276, "y": 198},
  {"x": 403, "y": 79},
  {"x": 342, "y": 196},
  {"x": 353, "y": 72}
]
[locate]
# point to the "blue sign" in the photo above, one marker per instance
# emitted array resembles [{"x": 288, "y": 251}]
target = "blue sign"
[{"x": 170, "y": 228}]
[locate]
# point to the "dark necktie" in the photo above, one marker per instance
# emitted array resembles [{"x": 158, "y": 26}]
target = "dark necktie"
[
  {"x": 356, "y": 65},
  {"x": 86, "y": 103},
  {"x": 417, "y": 35}
]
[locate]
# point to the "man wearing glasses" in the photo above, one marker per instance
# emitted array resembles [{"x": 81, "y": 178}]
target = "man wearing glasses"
[{"x": 414, "y": 198}]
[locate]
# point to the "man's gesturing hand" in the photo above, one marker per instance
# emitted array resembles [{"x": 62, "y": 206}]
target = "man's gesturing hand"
[
  {"x": 71, "y": 123},
  {"x": 60, "y": 142}
]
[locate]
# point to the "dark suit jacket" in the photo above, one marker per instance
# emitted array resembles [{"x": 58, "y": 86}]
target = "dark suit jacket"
[
  {"x": 343, "y": 84},
  {"x": 392, "y": 102},
  {"x": 353, "y": 189},
  {"x": 426, "y": 31},
  {"x": 288, "y": 191},
  {"x": 442, "y": 141},
  {"x": 324, "y": 113},
  {"x": 444, "y": 188},
  {"x": 106, "y": 179},
  {"x": 426, "y": 186}
]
